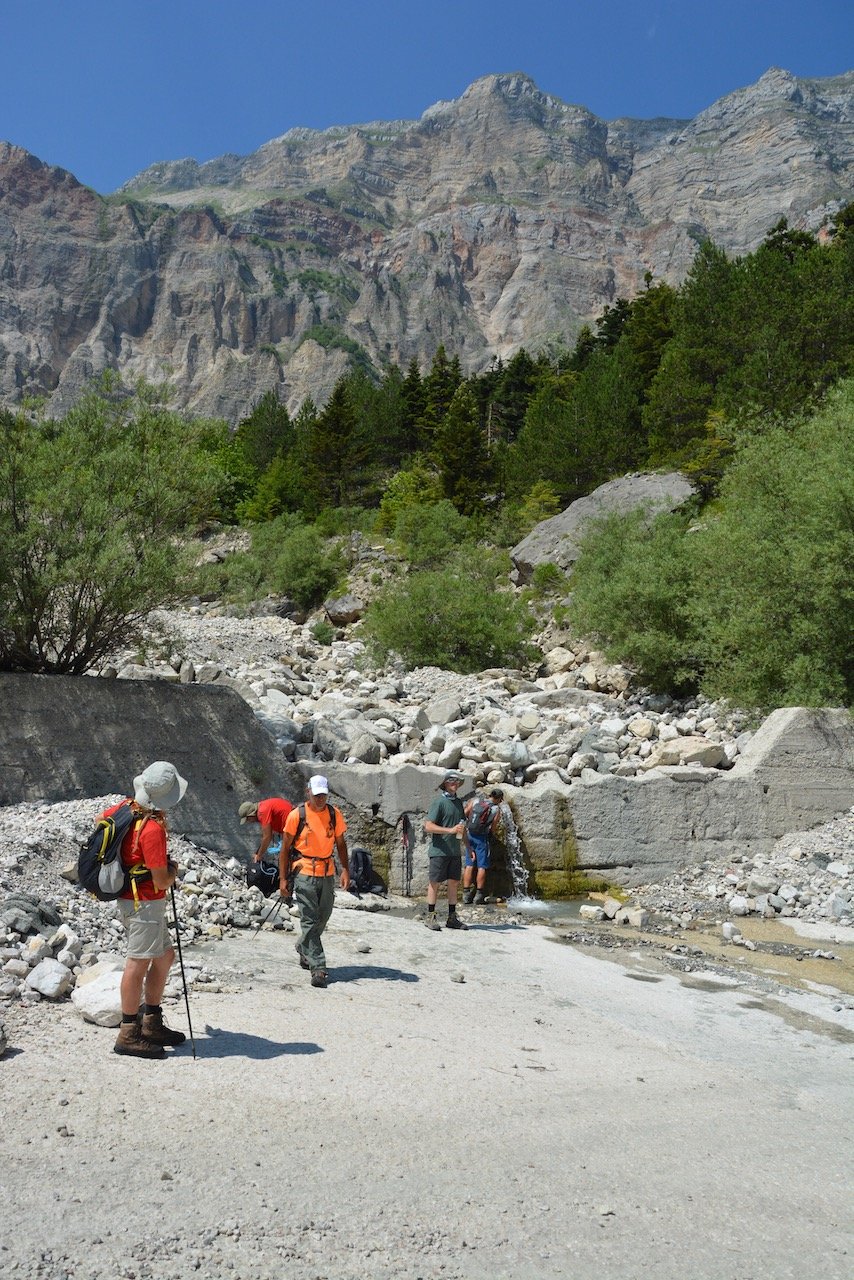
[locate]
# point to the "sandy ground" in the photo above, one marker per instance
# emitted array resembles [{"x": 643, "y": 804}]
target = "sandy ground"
[{"x": 556, "y": 1113}]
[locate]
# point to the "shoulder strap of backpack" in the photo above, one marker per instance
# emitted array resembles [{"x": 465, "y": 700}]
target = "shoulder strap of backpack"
[{"x": 301, "y": 810}]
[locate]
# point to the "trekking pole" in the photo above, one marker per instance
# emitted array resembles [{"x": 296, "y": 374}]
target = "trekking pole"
[
  {"x": 183, "y": 975},
  {"x": 276, "y": 907}
]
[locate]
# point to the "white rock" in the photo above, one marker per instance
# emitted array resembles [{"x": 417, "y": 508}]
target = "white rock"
[
  {"x": 97, "y": 996},
  {"x": 50, "y": 979}
]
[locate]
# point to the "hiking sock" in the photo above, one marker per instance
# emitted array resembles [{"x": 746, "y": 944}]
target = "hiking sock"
[
  {"x": 151, "y": 1008},
  {"x": 452, "y": 910},
  {"x": 129, "y": 1017},
  {"x": 431, "y": 909}
]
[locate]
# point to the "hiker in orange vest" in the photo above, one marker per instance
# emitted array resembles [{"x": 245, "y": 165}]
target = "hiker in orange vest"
[
  {"x": 143, "y": 1033},
  {"x": 312, "y": 834}
]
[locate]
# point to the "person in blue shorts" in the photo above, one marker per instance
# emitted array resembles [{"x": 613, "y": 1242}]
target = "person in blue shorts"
[{"x": 482, "y": 817}]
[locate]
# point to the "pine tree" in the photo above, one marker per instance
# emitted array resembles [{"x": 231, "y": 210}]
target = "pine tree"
[
  {"x": 439, "y": 387},
  {"x": 414, "y": 404},
  {"x": 337, "y": 450},
  {"x": 461, "y": 453},
  {"x": 264, "y": 432}
]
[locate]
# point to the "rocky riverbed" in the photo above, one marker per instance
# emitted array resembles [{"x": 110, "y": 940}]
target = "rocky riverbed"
[{"x": 326, "y": 702}]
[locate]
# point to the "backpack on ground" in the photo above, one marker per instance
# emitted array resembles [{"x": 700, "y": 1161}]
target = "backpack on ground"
[
  {"x": 480, "y": 818},
  {"x": 263, "y": 876},
  {"x": 363, "y": 878},
  {"x": 99, "y": 861}
]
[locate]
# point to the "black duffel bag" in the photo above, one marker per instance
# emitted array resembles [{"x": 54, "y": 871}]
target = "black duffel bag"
[{"x": 263, "y": 876}]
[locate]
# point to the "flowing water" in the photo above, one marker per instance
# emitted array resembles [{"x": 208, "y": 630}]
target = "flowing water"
[{"x": 515, "y": 865}]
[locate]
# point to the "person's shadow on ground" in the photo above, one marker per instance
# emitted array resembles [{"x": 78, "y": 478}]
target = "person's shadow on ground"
[
  {"x": 355, "y": 972},
  {"x": 220, "y": 1043}
]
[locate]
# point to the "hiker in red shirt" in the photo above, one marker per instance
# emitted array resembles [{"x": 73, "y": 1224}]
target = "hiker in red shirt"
[
  {"x": 271, "y": 814},
  {"x": 150, "y": 954}
]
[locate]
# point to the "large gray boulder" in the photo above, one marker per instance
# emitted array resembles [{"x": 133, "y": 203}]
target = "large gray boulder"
[{"x": 558, "y": 540}]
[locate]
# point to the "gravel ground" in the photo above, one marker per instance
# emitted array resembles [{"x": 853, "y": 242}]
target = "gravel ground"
[{"x": 487, "y": 1103}]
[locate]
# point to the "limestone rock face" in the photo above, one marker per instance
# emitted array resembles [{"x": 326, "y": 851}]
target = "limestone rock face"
[{"x": 500, "y": 219}]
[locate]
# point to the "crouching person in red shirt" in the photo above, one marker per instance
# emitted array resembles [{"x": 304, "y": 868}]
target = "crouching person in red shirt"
[{"x": 150, "y": 954}]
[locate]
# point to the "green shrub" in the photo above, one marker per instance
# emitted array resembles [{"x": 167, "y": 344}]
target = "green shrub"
[
  {"x": 548, "y": 579},
  {"x": 286, "y": 558},
  {"x": 775, "y": 569},
  {"x": 539, "y": 503},
  {"x": 430, "y": 533},
  {"x": 453, "y": 618},
  {"x": 323, "y": 631},
  {"x": 631, "y": 592},
  {"x": 414, "y": 486},
  {"x": 754, "y": 602}
]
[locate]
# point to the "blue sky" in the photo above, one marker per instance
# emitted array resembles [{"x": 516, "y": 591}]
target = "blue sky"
[{"x": 106, "y": 88}]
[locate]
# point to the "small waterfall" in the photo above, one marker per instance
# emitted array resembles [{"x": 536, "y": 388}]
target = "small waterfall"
[{"x": 516, "y": 867}]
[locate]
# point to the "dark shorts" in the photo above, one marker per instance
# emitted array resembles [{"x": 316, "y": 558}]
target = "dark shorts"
[
  {"x": 480, "y": 850},
  {"x": 444, "y": 867}
]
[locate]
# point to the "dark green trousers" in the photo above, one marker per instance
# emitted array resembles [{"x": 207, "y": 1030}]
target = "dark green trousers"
[{"x": 315, "y": 896}]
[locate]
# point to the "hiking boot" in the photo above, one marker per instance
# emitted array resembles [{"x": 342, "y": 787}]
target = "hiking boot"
[
  {"x": 454, "y": 922},
  {"x": 478, "y": 899},
  {"x": 319, "y": 977},
  {"x": 431, "y": 921},
  {"x": 131, "y": 1043},
  {"x": 155, "y": 1030},
  {"x": 469, "y": 897},
  {"x": 303, "y": 963}
]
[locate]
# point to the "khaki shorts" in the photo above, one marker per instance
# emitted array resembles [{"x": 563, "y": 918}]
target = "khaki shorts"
[{"x": 147, "y": 931}]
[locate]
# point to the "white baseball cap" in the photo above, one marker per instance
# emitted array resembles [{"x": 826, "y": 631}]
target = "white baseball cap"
[{"x": 318, "y": 785}]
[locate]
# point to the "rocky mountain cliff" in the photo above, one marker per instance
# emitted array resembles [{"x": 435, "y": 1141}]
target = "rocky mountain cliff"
[{"x": 504, "y": 218}]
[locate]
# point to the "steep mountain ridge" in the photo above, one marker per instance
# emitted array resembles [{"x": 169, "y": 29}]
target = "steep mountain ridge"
[{"x": 499, "y": 219}]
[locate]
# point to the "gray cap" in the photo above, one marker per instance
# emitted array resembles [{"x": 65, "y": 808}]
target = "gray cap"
[{"x": 160, "y": 786}]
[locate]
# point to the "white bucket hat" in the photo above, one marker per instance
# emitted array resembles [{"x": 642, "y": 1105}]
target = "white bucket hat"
[{"x": 160, "y": 786}]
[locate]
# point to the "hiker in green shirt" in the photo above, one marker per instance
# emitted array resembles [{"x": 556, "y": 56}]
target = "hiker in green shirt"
[{"x": 446, "y": 826}]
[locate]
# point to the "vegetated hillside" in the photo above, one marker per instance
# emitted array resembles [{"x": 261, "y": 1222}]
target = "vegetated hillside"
[
  {"x": 716, "y": 378},
  {"x": 501, "y": 220}
]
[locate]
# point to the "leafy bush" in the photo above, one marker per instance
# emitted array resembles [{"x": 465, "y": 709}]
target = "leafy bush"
[
  {"x": 452, "y": 618},
  {"x": 286, "y": 558},
  {"x": 549, "y": 579},
  {"x": 539, "y": 503},
  {"x": 323, "y": 631},
  {"x": 775, "y": 570},
  {"x": 413, "y": 486},
  {"x": 92, "y": 508},
  {"x": 754, "y": 602},
  {"x": 631, "y": 592},
  {"x": 430, "y": 533}
]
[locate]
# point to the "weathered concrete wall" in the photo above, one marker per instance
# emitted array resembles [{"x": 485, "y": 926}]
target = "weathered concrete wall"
[
  {"x": 63, "y": 737},
  {"x": 797, "y": 771}
]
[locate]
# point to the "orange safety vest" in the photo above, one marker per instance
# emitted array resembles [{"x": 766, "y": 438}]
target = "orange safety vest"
[{"x": 313, "y": 864}]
